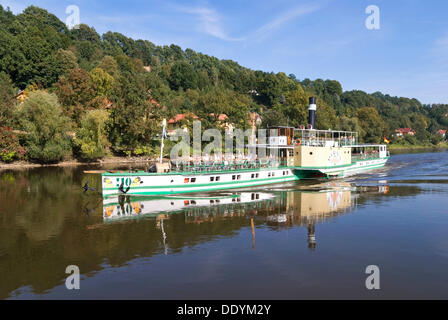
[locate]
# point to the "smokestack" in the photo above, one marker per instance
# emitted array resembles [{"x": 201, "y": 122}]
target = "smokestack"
[{"x": 312, "y": 113}]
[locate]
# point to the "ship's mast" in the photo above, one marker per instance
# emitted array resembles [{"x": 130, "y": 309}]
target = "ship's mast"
[{"x": 163, "y": 136}]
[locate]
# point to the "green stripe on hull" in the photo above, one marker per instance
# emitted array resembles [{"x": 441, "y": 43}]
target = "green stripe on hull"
[
  {"x": 188, "y": 189},
  {"x": 191, "y": 185}
]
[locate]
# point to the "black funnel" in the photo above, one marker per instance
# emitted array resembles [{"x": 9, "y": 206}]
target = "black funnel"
[{"x": 312, "y": 113}]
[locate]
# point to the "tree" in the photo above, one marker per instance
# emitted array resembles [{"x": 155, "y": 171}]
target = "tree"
[
  {"x": 183, "y": 76},
  {"x": 420, "y": 125},
  {"x": 66, "y": 61},
  {"x": 102, "y": 81},
  {"x": 7, "y": 93},
  {"x": 46, "y": 137},
  {"x": 295, "y": 107},
  {"x": 75, "y": 93},
  {"x": 110, "y": 65},
  {"x": 91, "y": 139},
  {"x": 373, "y": 128}
]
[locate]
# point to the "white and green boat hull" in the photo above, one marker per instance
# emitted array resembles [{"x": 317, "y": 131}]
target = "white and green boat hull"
[{"x": 144, "y": 183}]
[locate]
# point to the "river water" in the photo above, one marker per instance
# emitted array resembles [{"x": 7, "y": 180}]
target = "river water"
[{"x": 302, "y": 240}]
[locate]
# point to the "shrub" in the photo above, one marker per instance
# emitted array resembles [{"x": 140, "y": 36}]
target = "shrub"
[
  {"x": 10, "y": 149},
  {"x": 41, "y": 118}
]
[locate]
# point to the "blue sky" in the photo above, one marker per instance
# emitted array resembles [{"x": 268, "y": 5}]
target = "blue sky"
[{"x": 407, "y": 56}]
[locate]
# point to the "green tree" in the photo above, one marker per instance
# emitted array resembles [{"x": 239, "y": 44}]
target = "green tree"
[
  {"x": 75, "y": 92},
  {"x": 46, "y": 137},
  {"x": 183, "y": 76},
  {"x": 373, "y": 128},
  {"x": 110, "y": 65},
  {"x": 7, "y": 93},
  {"x": 295, "y": 107},
  {"x": 103, "y": 82},
  {"x": 91, "y": 139}
]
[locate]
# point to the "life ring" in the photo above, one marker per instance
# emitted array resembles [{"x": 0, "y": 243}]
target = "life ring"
[{"x": 298, "y": 142}]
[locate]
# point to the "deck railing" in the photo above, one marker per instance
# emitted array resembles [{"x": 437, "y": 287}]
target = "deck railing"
[{"x": 226, "y": 166}]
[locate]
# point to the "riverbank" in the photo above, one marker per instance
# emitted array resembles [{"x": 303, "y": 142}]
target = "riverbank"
[
  {"x": 69, "y": 163},
  {"x": 397, "y": 148}
]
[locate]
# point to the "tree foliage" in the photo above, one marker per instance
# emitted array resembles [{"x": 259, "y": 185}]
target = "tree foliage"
[
  {"x": 46, "y": 129},
  {"x": 91, "y": 139}
]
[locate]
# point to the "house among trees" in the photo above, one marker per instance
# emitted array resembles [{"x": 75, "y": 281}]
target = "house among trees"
[
  {"x": 223, "y": 121},
  {"x": 180, "y": 120},
  {"x": 441, "y": 132},
  {"x": 400, "y": 132}
]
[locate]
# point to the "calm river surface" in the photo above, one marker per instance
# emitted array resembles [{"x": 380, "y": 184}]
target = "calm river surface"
[{"x": 301, "y": 240}]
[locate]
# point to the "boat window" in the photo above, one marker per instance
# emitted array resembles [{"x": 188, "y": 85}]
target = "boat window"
[
  {"x": 252, "y": 176},
  {"x": 212, "y": 178},
  {"x": 217, "y": 178},
  {"x": 311, "y": 153},
  {"x": 269, "y": 174},
  {"x": 233, "y": 177},
  {"x": 193, "y": 179},
  {"x": 186, "y": 180},
  {"x": 256, "y": 176},
  {"x": 239, "y": 177},
  {"x": 273, "y": 174}
]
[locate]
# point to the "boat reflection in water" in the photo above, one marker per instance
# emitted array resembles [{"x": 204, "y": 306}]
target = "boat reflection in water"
[{"x": 278, "y": 209}]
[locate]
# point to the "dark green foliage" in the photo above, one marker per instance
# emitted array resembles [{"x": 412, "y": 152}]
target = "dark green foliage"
[
  {"x": 7, "y": 100},
  {"x": 183, "y": 76}
]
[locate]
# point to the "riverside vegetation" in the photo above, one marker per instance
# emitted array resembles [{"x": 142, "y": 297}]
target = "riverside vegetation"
[{"x": 88, "y": 96}]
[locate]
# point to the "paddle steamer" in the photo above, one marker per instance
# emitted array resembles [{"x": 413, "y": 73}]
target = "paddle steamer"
[{"x": 291, "y": 154}]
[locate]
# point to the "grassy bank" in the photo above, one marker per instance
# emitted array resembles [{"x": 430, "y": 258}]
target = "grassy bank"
[{"x": 400, "y": 148}]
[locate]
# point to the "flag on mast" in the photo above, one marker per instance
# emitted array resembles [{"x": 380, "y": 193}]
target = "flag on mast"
[
  {"x": 386, "y": 140},
  {"x": 164, "y": 134}
]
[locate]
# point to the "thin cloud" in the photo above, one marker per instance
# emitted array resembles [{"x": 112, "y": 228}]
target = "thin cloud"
[
  {"x": 285, "y": 17},
  {"x": 209, "y": 22}
]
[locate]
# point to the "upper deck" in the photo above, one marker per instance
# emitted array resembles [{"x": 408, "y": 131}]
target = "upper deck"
[{"x": 290, "y": 136}]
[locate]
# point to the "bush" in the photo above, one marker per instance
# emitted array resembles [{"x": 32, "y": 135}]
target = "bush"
[
  {"x": 10, "y": 149},
  {"x": 41, "y": 118},
  {"x": 91, "y": 139}
]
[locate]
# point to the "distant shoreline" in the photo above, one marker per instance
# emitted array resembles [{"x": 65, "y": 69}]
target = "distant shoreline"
[
  {"x": 18, "y": 165},
  {"x": 394, "y": 149}
]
